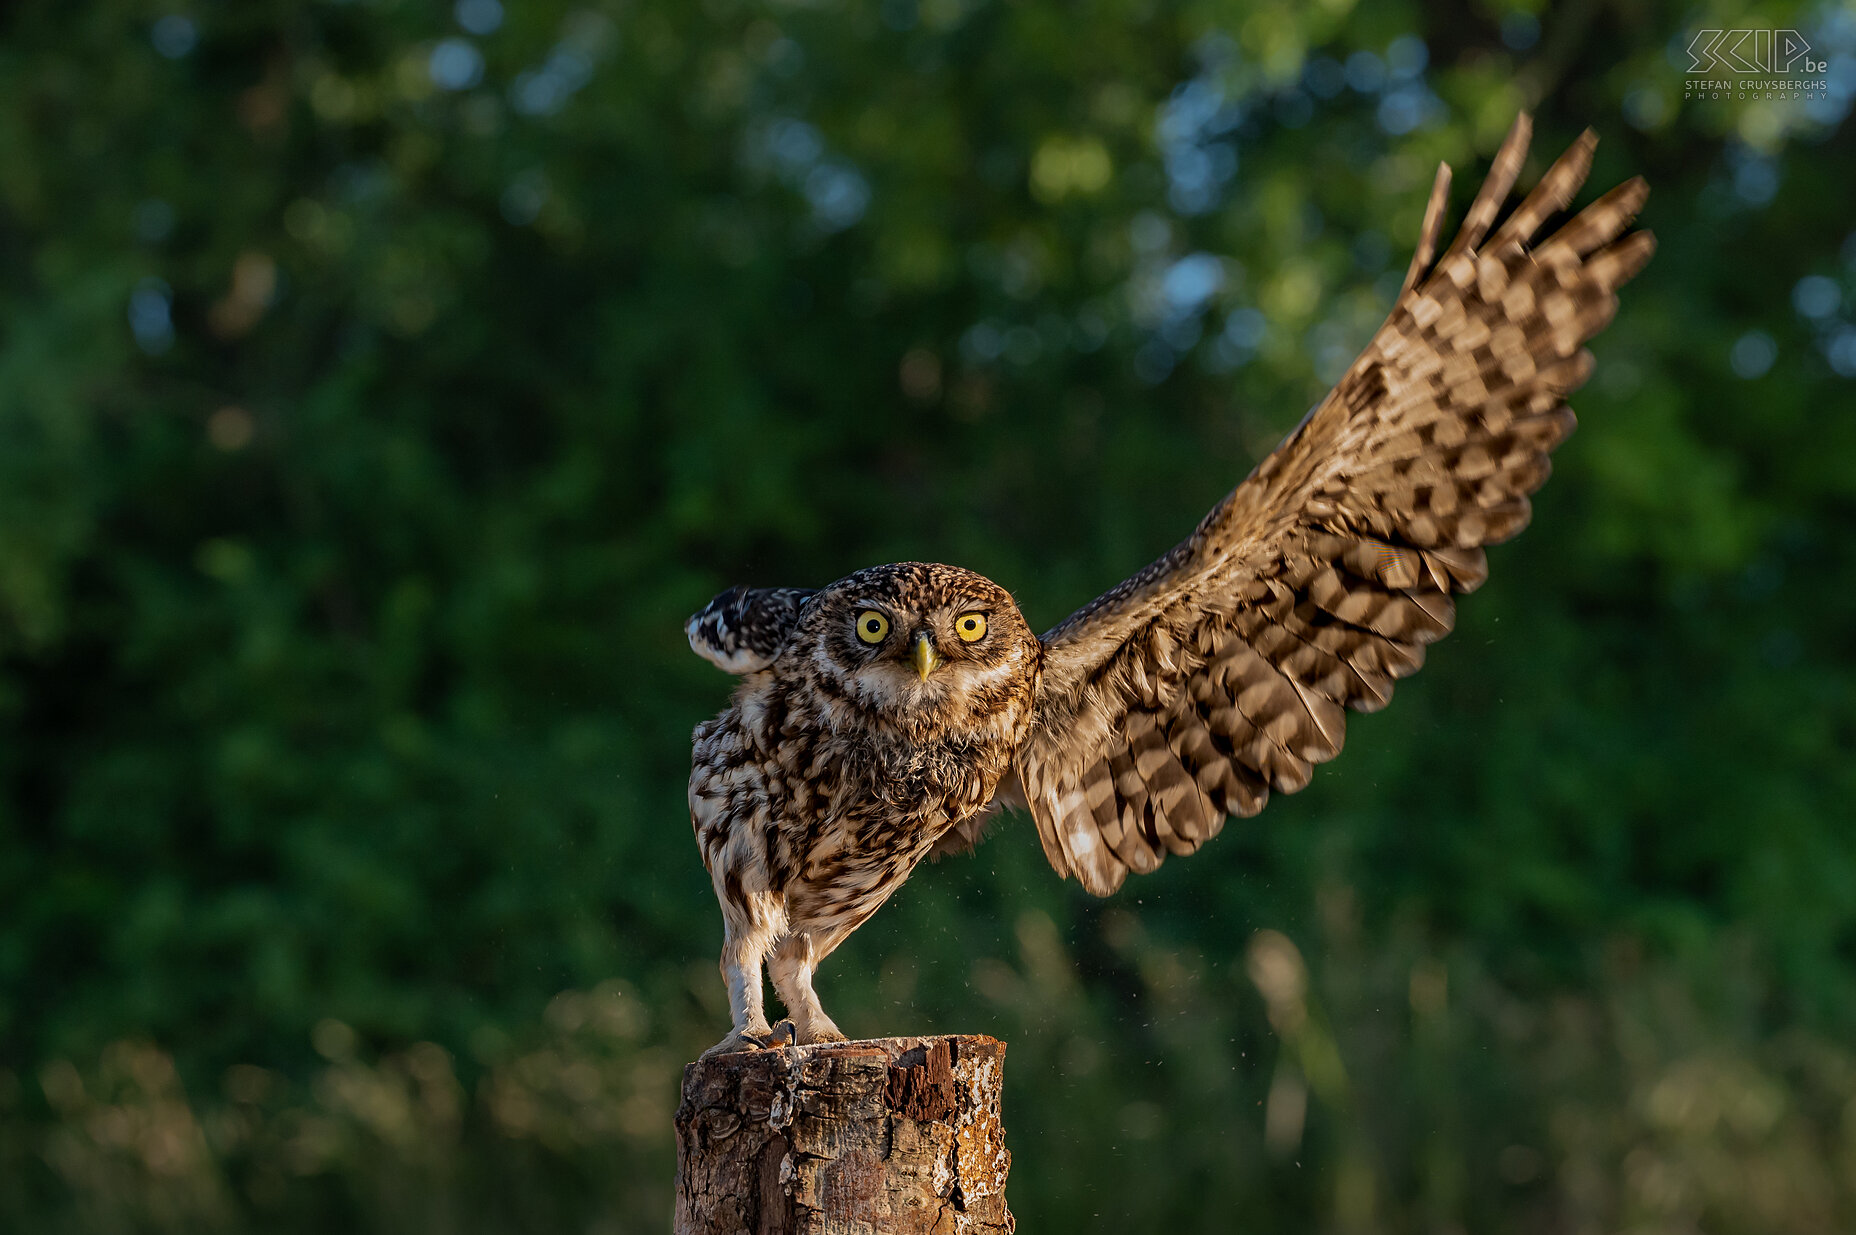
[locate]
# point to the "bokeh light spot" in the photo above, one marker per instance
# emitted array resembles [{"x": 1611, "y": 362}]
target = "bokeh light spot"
[
  {"x": 1752, "y": 354},
  {"x": 174, "y": 36},
  {"x": 1520, "y": 31},
  {"x": 1815, "y": 296},
  {"x": 479, "y": 16},
  {"x": 230, "y": 429},
  {"x": 150, "y": 316},
  {"x": 456, "y": 64}
]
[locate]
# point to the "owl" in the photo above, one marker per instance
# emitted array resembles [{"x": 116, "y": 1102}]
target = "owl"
[{"x": 888, "y": 716}]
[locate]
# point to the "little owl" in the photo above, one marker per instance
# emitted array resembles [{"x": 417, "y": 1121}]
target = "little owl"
[{"x": 884, "y": 717}]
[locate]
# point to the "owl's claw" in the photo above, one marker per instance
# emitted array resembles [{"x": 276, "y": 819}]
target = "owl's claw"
[
  {"x": 737, "y": 1042},
  {"x": 751, "y": 1039}
]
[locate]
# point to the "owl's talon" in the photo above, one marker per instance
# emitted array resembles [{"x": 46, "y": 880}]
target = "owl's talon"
[
  {"x": 784, "y": 1034},
  {"x": 740, "y": 1041}
]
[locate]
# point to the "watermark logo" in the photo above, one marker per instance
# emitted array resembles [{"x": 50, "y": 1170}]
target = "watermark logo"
[
  {"x": 1771, "y": 52},
  {"x": 1752, "y": 64}
]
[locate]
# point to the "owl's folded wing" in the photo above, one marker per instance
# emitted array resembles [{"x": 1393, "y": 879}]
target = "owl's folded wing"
[
  {"x": 743, "y": 629},
  {"x": 1225, "y": 669}
]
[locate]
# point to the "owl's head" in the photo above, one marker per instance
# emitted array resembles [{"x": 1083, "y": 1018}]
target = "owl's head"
[{"x": 917, "y": 636}]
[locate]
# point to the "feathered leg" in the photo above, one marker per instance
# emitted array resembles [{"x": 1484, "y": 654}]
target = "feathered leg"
[
  {"x": 750, "y": 923},
  {"x": 795, "y": 959}
]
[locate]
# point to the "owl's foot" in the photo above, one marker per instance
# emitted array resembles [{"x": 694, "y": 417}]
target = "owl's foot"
[
  {"x": 752, "y": 1039},
  {"x": 821, "y": 1029}
]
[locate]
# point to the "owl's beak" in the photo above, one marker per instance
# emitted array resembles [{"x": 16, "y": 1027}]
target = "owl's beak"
[{"x": 925, "y": 659}]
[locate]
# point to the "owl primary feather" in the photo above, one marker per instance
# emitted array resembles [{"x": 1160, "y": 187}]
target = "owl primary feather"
[{"x": 883, "y": 717}]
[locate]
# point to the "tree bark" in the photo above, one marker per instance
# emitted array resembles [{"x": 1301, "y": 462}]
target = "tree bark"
[{"x": 896, "y": 1135}]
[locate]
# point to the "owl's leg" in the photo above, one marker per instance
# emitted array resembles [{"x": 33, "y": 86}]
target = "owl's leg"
[
  {"x": 750, "y": 923},
  {"x": 795, "y": 959}
]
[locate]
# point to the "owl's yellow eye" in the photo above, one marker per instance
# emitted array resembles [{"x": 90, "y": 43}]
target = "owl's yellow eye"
[
  {"x": 970, "y": 626},
  {"x": 872, "y": 626}
]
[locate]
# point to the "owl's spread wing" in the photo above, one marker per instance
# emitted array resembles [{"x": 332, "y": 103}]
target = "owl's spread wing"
[
  {"x": 743, "y": 629},
  {"x": 1225, "y": 669}
]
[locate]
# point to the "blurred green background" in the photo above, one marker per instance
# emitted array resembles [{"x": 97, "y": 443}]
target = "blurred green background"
[{"x": 382, "y": 383}]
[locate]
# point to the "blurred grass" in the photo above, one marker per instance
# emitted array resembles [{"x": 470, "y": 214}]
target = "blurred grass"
[
  {"x": 1382, "y": 1095},
  {"x": 381, "y": 384}
]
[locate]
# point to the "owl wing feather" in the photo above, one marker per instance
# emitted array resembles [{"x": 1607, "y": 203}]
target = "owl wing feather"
[
  {"x": 743, "y": 629},
  {"x": 1225, "y": 670}
]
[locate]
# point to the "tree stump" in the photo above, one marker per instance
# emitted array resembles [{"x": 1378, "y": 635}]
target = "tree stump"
[{"x": 895, "y": 1135}]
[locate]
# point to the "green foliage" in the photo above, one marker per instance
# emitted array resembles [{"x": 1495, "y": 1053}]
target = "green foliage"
[{"x": 376, "y": 399}]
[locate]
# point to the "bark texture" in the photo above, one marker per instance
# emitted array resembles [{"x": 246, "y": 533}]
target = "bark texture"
[{"x": 896, "y": 1135}]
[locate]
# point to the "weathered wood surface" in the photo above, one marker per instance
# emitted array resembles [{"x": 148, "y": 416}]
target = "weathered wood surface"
[{"x": 894, "y": 1135}]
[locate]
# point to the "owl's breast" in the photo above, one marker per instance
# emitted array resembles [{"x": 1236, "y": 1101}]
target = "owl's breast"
[
  {"x": 829, "y": 795},
  {"x": 891, "y": 803},
  {"x": 951, "y": 776}
]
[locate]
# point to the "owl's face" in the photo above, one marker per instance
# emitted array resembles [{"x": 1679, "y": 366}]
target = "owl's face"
[{"x": 916, "y": 637}]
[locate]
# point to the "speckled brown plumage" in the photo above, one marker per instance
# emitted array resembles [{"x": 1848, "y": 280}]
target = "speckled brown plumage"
[
  {"x": 842, "y": 763},
  {"x": 1221, "y": 673}
]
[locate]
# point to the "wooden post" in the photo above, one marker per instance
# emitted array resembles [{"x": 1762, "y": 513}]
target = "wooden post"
[{"x": 896, "y": 1135}]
